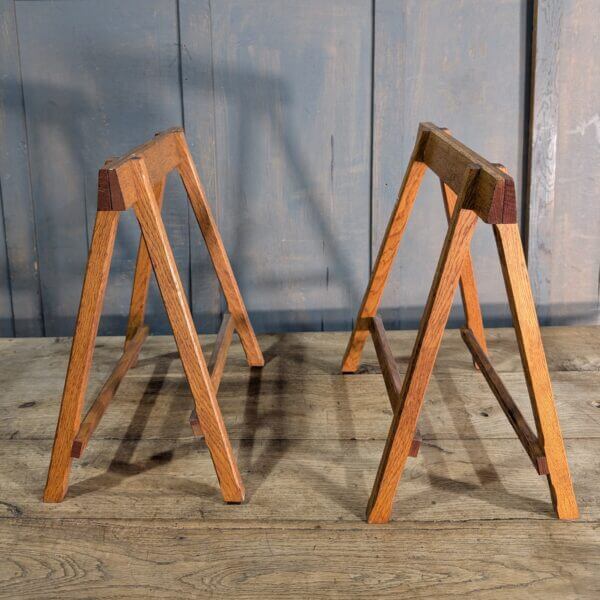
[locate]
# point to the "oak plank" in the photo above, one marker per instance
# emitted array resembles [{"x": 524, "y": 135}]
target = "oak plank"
[
  {"x": 292, "y": 480},
  {"x": 74, "y": 558},
  {"x": 425, "y": 349},
  {"x": 298, "y": 394},
  {"x": 458, "y": 406},
  {"x": 385, "y": 257},
  {"x": 467, "y": 283},
  {"x": 184, "y": 331},
  {"x": 143, "y": 273},
  {"x": 568, "y": 349},
  {"x": 527, "y": 328},
  {"x": 82, "y": 351},
  {"x": 218, "y": 254},
  {"x": 216, "y": 363}
]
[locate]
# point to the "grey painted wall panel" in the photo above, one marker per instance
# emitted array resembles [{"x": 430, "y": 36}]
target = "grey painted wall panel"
[
  {"x": 199, "y": 121},
  {"x": 293, "y": 136},
  {"x": 564, "y": 240},
  {"x": 98, "y": 77},
  {"x": 461, "y": 66},
  {"x": 6, "y": 313},
  {"x": 275, "y": 96},
  {"x": 19, "y": 224}
]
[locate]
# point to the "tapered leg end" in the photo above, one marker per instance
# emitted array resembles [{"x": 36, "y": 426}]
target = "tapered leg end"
[
  {"x": 234, "y": 496},
  {"x": 54, "y": 495}
]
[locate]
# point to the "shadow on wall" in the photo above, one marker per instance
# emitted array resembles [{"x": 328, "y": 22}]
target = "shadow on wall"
[{"x": 78, "y": 126}]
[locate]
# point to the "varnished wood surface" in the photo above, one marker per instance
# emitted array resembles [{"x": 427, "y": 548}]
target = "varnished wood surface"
[
  {"x": 108, "y": 391},
  {"x": 467, "y": 282},
  {"x": 144, "y": 516},
  {"x": 493, "y": 193},
  {"x": 216, "y": 363},
  {"x": 180, "y": 316},
  {"x": 422, "y": 361},
  {"x": 535, "y": 366},
  {"x": 82, "y": 351},
  {"x": 515, "y": 417}
]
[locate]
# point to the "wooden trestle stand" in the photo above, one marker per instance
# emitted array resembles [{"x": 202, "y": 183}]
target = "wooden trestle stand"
[
  {"x": 472, "y": 188},
  {"x": 137, "y": 180}
]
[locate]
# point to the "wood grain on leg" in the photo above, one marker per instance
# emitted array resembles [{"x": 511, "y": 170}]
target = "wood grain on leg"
[
  {"x": 423, "y": 357},
  {"x": 141, "y": 280},
  {"x": 218, "y": 255},
  {"x": 186, "y": 337},
  {"x": 389, "y": 370},
  {"x": 516, "y": 277},
  {"x": 216, "y": 363},
  {"x": 82, "y": 351},
  {"x": 468, "y": 286},
  {"x": 385, "y": 258}
]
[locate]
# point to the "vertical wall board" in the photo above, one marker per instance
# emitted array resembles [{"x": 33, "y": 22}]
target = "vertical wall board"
[
  {"x": 6, "y": 312},
  {"x": 99, "y": 77},
  {"x": 19, "y": 227},
  {"x": 199, "y": 122},
  {"x": 460, "y": 65},
  {"x": 292, "y": 85},
  {"x": 564, "y": 227},
  {"x": 544, "y": 133}
]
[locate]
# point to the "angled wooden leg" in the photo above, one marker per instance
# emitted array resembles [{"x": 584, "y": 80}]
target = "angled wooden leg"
[
  {"x": 516, "y": 278},
  {"x": 218, "y": 255},
  {"x": 141, "y": 280},
  {"x": 216, "y": 363},
  {"x": 468, "y": 286},
  {"x": 186, "y": 337},
  {"x": 82, "y": 350},
  {"x": 385, "y": 257},
  {"x": 429, "y": 337}
]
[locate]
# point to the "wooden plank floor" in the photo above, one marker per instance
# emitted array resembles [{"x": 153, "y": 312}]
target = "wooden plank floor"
[{"x": 144, "y": 517}]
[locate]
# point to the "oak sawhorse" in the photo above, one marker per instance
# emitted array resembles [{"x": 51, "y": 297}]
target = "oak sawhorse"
[
  {"x": 472, "y": 188},
  {"x": 137, "y": 181}
]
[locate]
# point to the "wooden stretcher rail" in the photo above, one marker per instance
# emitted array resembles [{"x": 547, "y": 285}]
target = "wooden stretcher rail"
[
  {"x": 526, "y": 436},
  {"x": 108, "y": 391},
  {"x": 216, "y": 363},
  {"x": 493, "y": 195},
  {"x": 391, "y": 375}
]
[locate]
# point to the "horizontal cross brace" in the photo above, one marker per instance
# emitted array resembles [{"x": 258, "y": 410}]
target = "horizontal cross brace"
[
  {"x": 511, "y": 410},
  {"x": 108, "y": 391},
  {"x": 389, "y": 370}
]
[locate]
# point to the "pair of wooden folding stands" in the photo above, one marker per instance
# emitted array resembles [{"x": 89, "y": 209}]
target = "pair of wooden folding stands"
[{"x": 472, "y": 189}]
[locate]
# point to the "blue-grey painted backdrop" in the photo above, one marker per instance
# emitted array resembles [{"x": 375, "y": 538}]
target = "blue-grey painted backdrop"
[{"x": 301, "y": 115}]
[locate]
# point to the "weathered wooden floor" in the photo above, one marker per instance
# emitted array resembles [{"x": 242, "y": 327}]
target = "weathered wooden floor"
[{"x": 144, "y": 517}]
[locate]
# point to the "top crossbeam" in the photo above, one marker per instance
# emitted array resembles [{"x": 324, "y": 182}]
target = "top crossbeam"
[
  {"x": 493, "y": 194},
  {"x": 162, "y": 154}
]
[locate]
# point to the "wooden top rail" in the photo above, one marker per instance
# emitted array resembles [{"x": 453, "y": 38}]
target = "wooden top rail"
[
  {"x": 161, "y": 154},
  {"x": 493, "y": 197}
]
